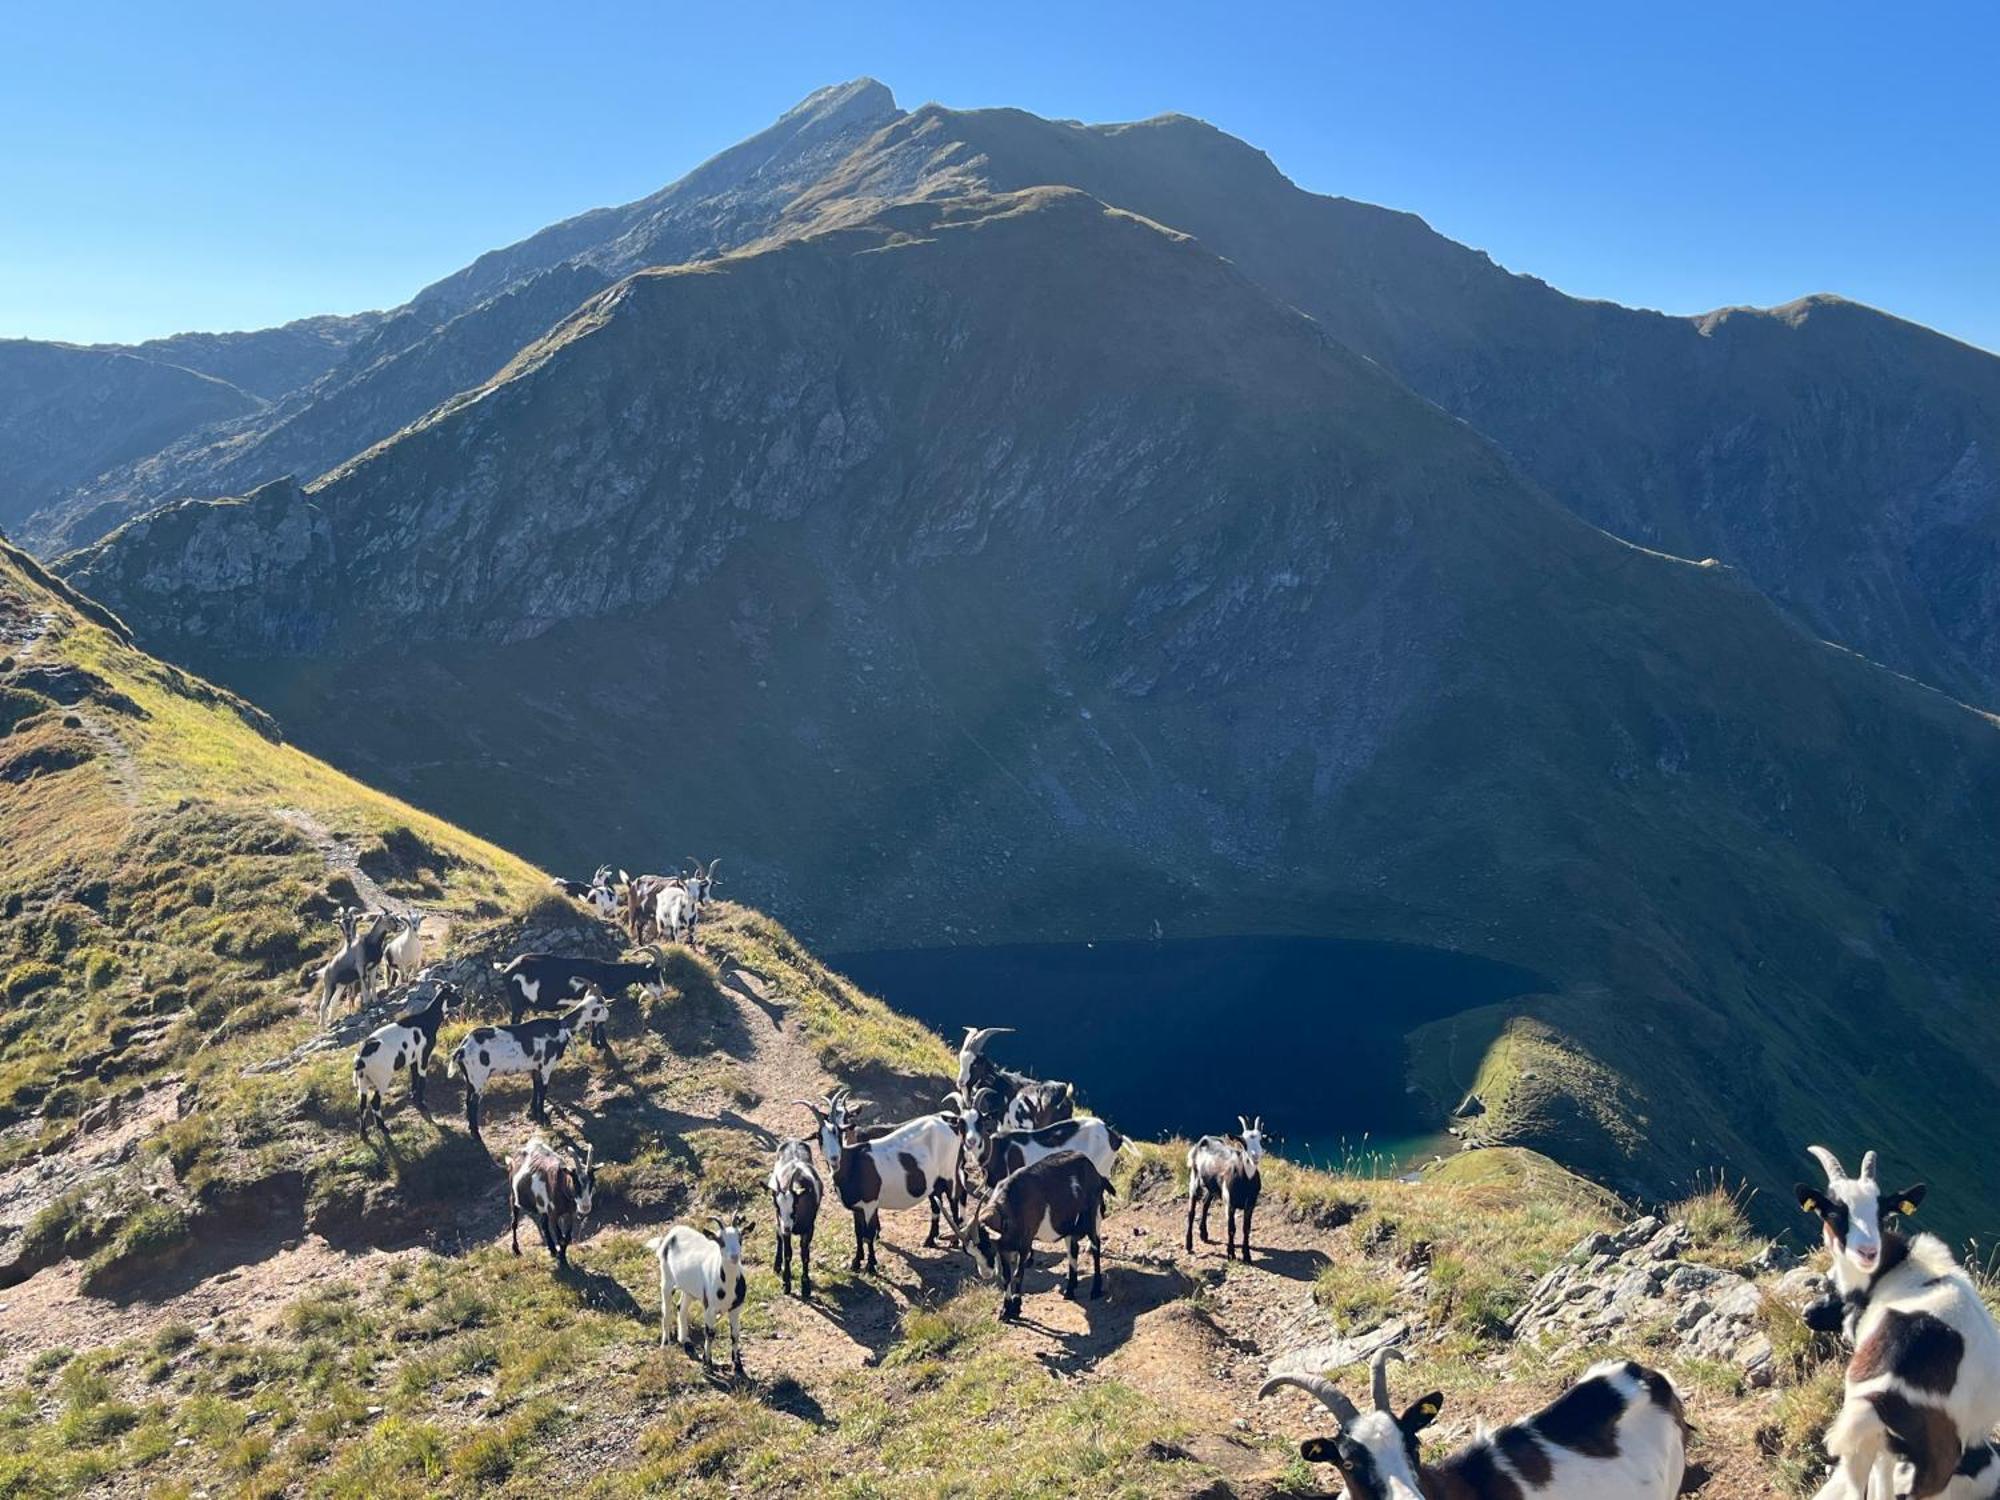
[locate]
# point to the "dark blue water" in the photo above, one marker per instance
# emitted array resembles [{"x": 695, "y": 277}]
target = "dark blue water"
[{"x": 1180, "y": 1037}]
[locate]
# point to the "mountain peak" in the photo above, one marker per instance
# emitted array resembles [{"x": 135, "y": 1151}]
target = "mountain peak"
[{"x": 858, "y": 96}]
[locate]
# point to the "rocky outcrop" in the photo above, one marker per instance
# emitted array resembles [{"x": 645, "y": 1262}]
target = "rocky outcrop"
[{"x": 1640, "y": 1280}]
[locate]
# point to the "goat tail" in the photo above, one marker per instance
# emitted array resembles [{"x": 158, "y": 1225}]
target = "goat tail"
[
  {"x": 455, "y": 1068},
  {"x": 656, "y": 1244}
]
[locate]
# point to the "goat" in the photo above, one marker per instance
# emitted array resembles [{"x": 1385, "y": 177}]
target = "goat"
[
  {"x": 1041, "y": 1104},
  {"x": 351, "y": 969},
  {"x": 1060, "y": 1197},
  {"x": 1229, "y": 1168},
  {"x": 549, "y": 981},
  {"x": 603, "y": 897},
  {"x": 700, "y": 880},
  {"x": 1923, "y": 1384},
  {"x": 796, "y": 1194},
  {"x": 1028, "y": 1101},
  {"x": 406, "y": 1042},
  {"x": 533, "y": 1047},
  {"x": 403, "y": 954},
  {"x": 1008, "y": 1151},
  {"x": 1619, "y": 1433},
  {"x": 556, "y": 1195},
  {"x": 1977, "y": 1476},
  {"x": 675, "y": 912},
  {"x": 899, "y": 1169},
  {"x": 705, "y": 1268},
  {"x": 641, "y": 892}
]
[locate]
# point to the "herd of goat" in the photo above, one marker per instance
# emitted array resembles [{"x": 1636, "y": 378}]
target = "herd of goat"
[{"x": 1008, "y": 1164}]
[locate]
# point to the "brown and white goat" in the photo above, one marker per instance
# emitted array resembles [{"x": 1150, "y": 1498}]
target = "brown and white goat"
[
  {"x": 557, "y": 1196},
  {"x": 1923, "y": 1385},
  {"x": 901, "y": 1168},
  {"x": 1060, "y": 1197},
  {"x": 1619, "y": 1433}
]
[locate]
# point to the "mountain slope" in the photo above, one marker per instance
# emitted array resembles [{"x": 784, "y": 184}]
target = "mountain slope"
[
  {"x": 1842, "y": 459},
  {"x": 1014, "y": 568},
  {"x": 456, "y": 333},
  {"x": 68, "y": 413},
  {"x": 1846, "y": 461},
  {"x": 267, "y": 362}
]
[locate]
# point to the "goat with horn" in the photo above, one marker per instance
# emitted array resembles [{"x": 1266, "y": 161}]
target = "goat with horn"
[{"x": 1619, "y": 1433}]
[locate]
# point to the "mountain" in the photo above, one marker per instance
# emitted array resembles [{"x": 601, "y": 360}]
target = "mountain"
[
  {"x": 69, "y": 413},
  {"x": 1845, "y": 461},
  {"x": 1842, "y": 460},
  {"x": 1013, "y": 567},
  {"x": 267, "y": 362},
  {"x": 458, "y": 332}
]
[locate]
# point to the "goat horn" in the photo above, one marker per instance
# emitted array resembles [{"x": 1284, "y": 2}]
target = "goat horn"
[
  {"x": 1317, "y": 1385},
  {"x": 976, "y": 1038},
  {"x": 1378, "y": 1375},
  {"x": 1868, "y": 1167},
  {"x": 816, "y": 1113},
  {"x": 1835, "y": 1172}
]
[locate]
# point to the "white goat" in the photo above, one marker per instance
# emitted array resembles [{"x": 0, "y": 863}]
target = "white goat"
[
  {"x": 403, "y": 954},
  {"x": 708, "y": 1270}
]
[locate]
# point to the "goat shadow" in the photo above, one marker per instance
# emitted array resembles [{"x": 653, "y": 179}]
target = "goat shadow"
[
  {"x": 1130, "y": 1292},
  {"x": 786, "y": 1395},
  {"x": 604, "y": 1292}
]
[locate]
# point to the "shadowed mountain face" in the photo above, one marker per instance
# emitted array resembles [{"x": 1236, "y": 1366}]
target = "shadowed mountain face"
[
  {"x": 1013, "y": 567},
  {"x": 1847, "y": 462},
  {"x": 68, "y": 413}
]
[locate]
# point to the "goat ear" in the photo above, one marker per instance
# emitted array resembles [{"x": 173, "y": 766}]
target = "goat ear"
[
  {"x": 1421, "y": 1414},
  {"x": 1812, "y": 1200},
  {"x": 1904, "y": 1202},
  {"x": 1320, "y": 1450}
]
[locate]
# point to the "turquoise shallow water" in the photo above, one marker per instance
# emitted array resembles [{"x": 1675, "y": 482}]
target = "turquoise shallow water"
[{"x": 1180, "y": 1037}]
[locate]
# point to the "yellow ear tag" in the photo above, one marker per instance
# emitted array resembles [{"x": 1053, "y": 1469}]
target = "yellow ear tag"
[
  {"x": 1908, "y": 1207},
  {"x": 1430, "y": 1408}
]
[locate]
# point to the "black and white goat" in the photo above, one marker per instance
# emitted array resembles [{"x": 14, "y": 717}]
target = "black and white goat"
[
  {"x": 1008, "y": 1151},
  {"x": 708, "y": 1270},
  {"x": 796, "y": 1194},
  {"x": 351, "y": 970},
  {"x": 700, "y": 880},
  {"x": 1041, "y": 1104},
  {"x": 406, "y": 1042},
  {"x": 1027, "y": 1102},
  {"x": 550, "y": 981},
  {"x": 676, "y": 912},
  {"x": 1923, "y": 1385},
  {"x": 1619, "y": 1433},
  {"x": 1059, "y": 1197},
  {"x": 549, "y": 1190},
  {"x": 902, "y": 1167},
  {"x": 1229, "y": 1168},
  {"x": 403, "y": 954},
  {"x": 533, "y": 1047},
  {"x": 600, "y": 894}
]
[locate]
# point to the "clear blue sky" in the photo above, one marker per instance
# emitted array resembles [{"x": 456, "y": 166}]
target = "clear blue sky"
[{"x": 225, "y": 165}]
